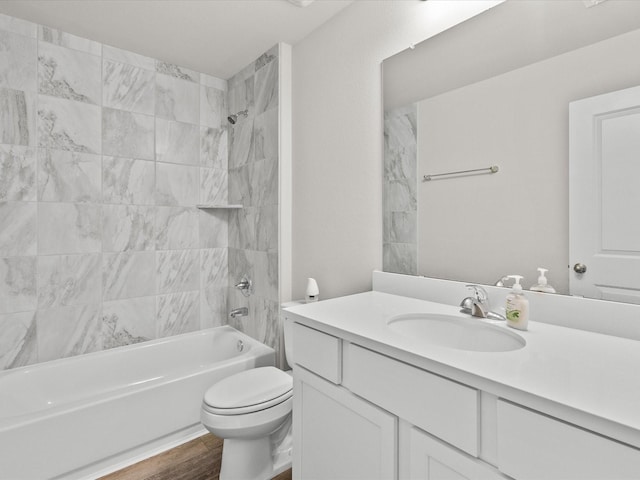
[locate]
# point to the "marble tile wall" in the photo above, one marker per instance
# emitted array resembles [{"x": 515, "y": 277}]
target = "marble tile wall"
[
  {"x": 104, "y": 155},
  {"x": 400, "y": 227},
  {"x": 253, "y": 182}
]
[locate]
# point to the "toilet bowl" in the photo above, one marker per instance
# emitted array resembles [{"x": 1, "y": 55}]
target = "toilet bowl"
[
  {"x": 248, "y": 411},
  {"x": 251, "y": 412}
]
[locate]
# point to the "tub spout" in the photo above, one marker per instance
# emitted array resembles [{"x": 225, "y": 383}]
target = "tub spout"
[{"x": 239, "y": 312}]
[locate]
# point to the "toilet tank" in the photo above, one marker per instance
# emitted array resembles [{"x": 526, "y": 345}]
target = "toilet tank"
[{"x": 287, "y": 326}]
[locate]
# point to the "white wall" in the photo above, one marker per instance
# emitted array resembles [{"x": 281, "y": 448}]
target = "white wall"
[{"x": 337, "y": 135}]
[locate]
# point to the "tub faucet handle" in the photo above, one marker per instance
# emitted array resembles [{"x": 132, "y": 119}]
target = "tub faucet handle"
[{"x": 245, "y": 286}]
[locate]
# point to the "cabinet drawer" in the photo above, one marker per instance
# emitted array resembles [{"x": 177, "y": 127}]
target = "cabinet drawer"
[
  {"x": 534, "y": 446},
  {"x": 318, "y": 352},
  {"x": 439, "y": 406}
]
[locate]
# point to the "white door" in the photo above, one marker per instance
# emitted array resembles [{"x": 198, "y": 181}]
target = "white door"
[{"x": 604, "y": 196}]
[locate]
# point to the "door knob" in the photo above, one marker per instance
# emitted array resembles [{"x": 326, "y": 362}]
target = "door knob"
[{"x": 579, "y": 268}]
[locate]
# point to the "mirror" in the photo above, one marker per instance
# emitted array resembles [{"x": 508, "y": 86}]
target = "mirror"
[{"x": 495, "y": 91}]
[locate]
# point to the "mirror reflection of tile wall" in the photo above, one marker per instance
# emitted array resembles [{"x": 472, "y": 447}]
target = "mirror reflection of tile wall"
[{"x": 400, "y": 236}]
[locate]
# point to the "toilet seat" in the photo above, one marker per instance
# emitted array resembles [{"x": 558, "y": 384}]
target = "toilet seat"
[{"x": 248, "y": 391}]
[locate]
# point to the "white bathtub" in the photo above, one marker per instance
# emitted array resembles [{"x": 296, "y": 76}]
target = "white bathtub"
[{"x": 85, "y": 416}]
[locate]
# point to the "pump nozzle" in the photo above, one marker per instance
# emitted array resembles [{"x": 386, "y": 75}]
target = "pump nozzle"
[
  {"x": 542, "y": 280},
  {"x": 516, "y": 285}
]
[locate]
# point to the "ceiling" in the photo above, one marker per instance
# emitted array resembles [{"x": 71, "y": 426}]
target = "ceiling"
[{"x": 218, "y": 37}]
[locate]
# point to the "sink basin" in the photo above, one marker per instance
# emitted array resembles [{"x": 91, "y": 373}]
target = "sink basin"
[{"x": 456, "y": 332}]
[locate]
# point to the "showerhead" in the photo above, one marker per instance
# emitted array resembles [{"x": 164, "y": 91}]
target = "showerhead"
[{"x": 234, "y": 118}]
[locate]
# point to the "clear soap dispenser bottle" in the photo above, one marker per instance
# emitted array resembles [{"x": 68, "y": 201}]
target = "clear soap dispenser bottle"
[
  {"x": 517, "y": 306},
  {"x": 542, "y": 285}
]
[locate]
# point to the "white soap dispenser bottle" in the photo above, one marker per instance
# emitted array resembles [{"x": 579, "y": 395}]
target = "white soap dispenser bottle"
[
  {"x": 542, "y": 285},
  {"x": 517, "y": 306},
  {"x": 312, "y": 292}
]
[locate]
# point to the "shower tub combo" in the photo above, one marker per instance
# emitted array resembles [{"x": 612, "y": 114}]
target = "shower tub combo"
[{"x": 86, "y": 416}]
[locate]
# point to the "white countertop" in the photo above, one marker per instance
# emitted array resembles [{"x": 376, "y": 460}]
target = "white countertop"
[{"x": 586, "y": 378}]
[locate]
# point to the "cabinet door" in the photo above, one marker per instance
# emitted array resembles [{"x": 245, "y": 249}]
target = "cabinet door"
[
  {"x": 338, "y": 435},
  {"x": 423, "y": 457},
  {"x": 532, "y": 446}
]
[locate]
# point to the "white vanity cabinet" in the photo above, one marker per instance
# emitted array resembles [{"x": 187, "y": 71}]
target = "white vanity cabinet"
[{"x": 360, "y": 414}]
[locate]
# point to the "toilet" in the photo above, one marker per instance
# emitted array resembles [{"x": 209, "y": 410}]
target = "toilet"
[{"x": 251, "y": 412}]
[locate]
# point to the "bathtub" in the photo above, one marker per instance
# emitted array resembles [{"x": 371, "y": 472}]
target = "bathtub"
[{"x": 85, "y": 416}]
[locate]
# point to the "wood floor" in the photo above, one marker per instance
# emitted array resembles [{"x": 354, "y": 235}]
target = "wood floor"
[{"x": 198, "y": 459}]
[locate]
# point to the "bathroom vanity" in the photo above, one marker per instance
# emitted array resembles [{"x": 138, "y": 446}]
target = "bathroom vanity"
[{"x": 371, "y": 401}]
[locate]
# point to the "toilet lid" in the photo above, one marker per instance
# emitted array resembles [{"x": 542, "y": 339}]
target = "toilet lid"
[{"x": 250, "y": 388}]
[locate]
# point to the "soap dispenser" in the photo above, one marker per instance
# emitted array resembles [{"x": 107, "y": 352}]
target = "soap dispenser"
[
  {"x": 517, "y": 306},
  {"x": 542, "y": 285}
]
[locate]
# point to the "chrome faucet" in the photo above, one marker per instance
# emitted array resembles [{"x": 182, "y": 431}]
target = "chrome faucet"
[
  {"x": 239, "y": 312},
  {"x": 478, "y": 304},
  {"x": 245, "y": 286}
]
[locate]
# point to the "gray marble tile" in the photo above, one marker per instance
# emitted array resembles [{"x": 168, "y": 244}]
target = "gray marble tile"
[
  {"x": 66, "y": 280},
  {"x": 125, "y": 56},
  {"x": 241, "y": 143},
  {"x": 213, "y": 107},
  {"x": 18, "y": 61},
  {"x": 65, "y": 176},
  {"x": 213, "y": 307},
  {"x": 177, "y": 271},
  {"x": 18, "y": 342},
  {"x": 68, "y": 125},
  {"x": 400, "y": 258},
  {"x": 265, "y": 280},
  {"x": 214, "y": 281},
  {"x": 211, "y": 81},
  {"x": 17, "y": 173},
  {"x": 176, "y": 184},
  {"x": 240, "y": 264},
  {"x": 242, "y": 228},
  {"x": 400, "y": 159},
  {"x": 68, "y": 228},
  {"x": 265, "y": 135},
  {"x": 177, "y": 71},
  {"x": 214, "y": 264},
  {"x": 18, "y": 234},
  {"x": 254, "y": 184},
  {"x": 177, "y": 99},
  {"x": 68, "y": 331},
  {"x": 19, "y": 26},
  {"x": 267, "y": 229},
  {"x": 128, "y": 275},
  {"x": 266, "y": 87},
  {"x": 17, "y": 117},
  {"x": 241, "y": 94},
  {"x": 64, "y": 39},
  {"x": 176, "y": 228},
  {"x": 264, "y": 326},
  {"x": 267, "y": 57},
  {"x": 69, "y": 74},
  {"x": 214, "y": 150},
  {"x": 128, "y": 88},
  {"x": 214, "y": 228},
  {"x": 17, "y": 284},
  {"x": 125, "y": 322},
  {"x": 125, "y": 180},
  {"x": 127, "y": 227},
  {"x": 127, "y": 134},
  {"x": 214, "y": 186},
  {"x": 177, "y": 142},
  {"x": 401, "y": 227},
  {"x": 178, "y": 313}
]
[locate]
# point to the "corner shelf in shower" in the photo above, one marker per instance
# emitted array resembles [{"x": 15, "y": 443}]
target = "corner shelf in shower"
[{"x": 211, "y": 207}]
